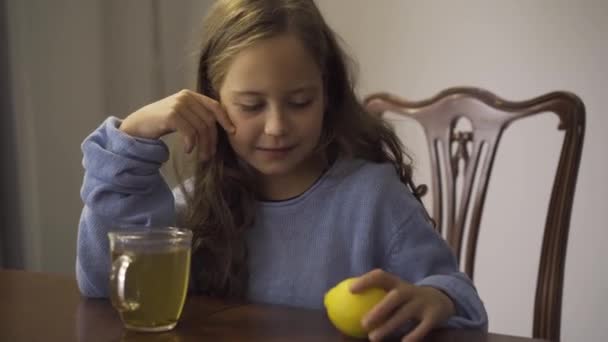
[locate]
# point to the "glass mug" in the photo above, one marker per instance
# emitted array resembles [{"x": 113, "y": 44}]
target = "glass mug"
[{"x": 150, "y": 275}]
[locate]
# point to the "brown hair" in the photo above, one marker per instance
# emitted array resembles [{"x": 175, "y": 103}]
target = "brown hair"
[{"x": 221, "y": 204}]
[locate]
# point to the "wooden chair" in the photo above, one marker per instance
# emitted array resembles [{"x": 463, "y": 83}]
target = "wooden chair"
[{"x": 489, "y": 116}]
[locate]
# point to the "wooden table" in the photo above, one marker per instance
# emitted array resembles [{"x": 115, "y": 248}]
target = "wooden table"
[{"x": 48, "y": 307}]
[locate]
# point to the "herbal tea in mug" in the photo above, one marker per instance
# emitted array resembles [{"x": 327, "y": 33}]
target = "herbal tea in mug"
[{"x": 150, "y": 274}]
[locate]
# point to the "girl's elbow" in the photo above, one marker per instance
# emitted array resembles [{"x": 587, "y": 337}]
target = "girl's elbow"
[
  {"x": 88, "y": 288},
  {"x": 88, "y": 291}
]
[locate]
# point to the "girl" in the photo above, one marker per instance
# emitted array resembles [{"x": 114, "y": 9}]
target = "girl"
[{"x": 296, "y": 186}]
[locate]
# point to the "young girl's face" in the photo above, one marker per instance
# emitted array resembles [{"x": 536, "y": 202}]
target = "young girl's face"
[{"x": 273, "y": 93}]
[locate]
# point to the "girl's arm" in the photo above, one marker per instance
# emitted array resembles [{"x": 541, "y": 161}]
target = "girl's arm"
[
  {"x": 417, "y": 244},
  {"x": 122, "y": 187},
  {"x": 122, "y": 182},
  {"x": 425, "y": 286}
]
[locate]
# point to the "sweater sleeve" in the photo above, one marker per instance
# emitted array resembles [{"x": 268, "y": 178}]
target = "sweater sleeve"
[
  {"x": 122, "y": 187},
  {"x": 419, "y": 255}
]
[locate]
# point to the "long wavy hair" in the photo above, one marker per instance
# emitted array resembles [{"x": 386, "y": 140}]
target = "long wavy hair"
[{"x": 220, "y": 206}]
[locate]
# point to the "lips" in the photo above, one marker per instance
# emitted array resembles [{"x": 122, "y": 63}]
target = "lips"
[
  {"x": 275, "y": 149},
  {"x": 275, "y": 152}
]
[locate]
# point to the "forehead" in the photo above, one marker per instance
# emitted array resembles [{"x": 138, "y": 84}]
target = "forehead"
[{"x": 272, "y": 65}]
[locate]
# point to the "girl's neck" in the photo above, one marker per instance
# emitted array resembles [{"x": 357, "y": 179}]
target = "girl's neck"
[{"x": 293, "y": 184}]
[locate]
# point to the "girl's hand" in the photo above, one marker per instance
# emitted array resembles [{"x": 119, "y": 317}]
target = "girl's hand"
[
  {"x": 404, "y": 302},
  {"x": 191, "y": 114}
]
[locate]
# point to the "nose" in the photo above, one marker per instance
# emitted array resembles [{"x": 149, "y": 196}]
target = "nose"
[{"x": 276, "y": 123}]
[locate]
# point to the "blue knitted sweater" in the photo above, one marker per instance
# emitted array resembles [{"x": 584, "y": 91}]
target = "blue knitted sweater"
[{"x": 357, "y": 217}]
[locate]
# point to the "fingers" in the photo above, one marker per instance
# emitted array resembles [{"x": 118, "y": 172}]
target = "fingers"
[
  {"x": 375, "y": 278},
  {"x": 421, "y": 330},
  {"x": 205, "y": 139},
  {"x": 189, "y": 111},
  {"x": 187, "y": 131},
  {"x": 206, "y": 128},
  {"x": 397, "y": 320},
  {"x": 385, "y": 308},
  {"x": 216, "y": 108},
  {"x": 403, "y": 303}
]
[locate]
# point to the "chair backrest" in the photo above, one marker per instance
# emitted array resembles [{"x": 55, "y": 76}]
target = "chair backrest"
[{"x": 470, "y": 155}]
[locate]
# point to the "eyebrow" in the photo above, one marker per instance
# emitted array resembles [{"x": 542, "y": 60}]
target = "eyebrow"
[
  {"x": 247, "y": 93},
  {"x": 258, "y": 93}
]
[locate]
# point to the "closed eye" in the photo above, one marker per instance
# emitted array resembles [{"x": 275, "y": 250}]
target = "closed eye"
[
  {"x": 300, "y": 104},
  {"x": 251, "y": 108}
]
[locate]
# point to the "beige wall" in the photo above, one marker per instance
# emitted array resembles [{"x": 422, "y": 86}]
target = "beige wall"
[
  {"x": 56, "y": 87},
  {"x": 73, "y": 63},
  {"x": 517, "y": 49}
]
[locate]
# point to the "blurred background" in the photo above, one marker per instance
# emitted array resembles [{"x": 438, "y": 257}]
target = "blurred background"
[{"x": 68, "y": 64}]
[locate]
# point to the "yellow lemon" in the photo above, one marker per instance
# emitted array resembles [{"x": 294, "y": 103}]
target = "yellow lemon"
[{"x": 346, "y": 309}]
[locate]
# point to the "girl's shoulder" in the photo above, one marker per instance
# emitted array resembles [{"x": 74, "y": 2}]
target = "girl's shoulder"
[
  {"x": 376, "y": 184},
  {"x": 366, "y": 175},
  {"x": 374, "y": 189}
]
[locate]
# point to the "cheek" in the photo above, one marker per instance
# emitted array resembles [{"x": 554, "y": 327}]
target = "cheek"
[
  {"x": 245, "y": 135},
  {"x": 314, "y": 124},
  {"x": 239, "y": 140}
]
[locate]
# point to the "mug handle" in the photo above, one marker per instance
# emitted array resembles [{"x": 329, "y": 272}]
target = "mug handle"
[{"x": 120, "y": 267}]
